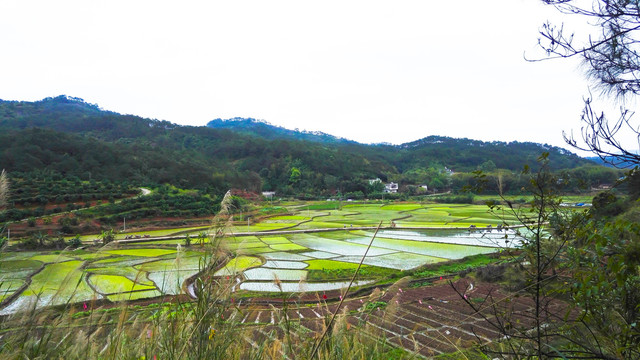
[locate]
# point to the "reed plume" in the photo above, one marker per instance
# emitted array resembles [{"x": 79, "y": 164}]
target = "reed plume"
[{"x": 4, "y": 188}]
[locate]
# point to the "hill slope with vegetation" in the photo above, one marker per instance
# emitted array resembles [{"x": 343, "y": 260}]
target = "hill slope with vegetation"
[{"x": 68, "y": 136}]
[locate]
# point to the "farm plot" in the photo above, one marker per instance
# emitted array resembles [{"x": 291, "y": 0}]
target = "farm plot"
[
  {"x": 337, "y": 247},
  {"x": 286, "y": 256},
  {"x": 238, "y": 264},
  {"x": 433, "y": 249},
  {"x": 56, "y": 284},
  {"x": 280, "y": 264},
  {"x": 450, "y": 216},
  {"x": 273, "y": 274},
  {"x": 114, "y": 284},
  {"x": 139, "y": 271},
  {"x": 18, "y": 269},
  {"x": 331, "y": 256},
  {"x": 169, "y": 275},
  {"x": 398, "y": 261},
  {"x": 408, "y": 215},
  {"x": 274, "y": 240},
  {"x": 76, "y": 276},
  {"x": 299, "y": 286},
  {"x": 495, "y": 239}
]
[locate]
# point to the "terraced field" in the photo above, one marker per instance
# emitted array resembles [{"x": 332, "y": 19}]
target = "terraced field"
[
  {"x": 30, "y": 279},
  {"x": 426, "y": 321},
  {"x": 304, "y": 260}
]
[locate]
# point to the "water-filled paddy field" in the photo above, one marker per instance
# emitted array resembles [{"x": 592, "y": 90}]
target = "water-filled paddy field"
[{"x": 312, "y": 261}]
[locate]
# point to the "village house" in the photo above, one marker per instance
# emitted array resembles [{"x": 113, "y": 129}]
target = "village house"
[{"x": 391, "y": 188}]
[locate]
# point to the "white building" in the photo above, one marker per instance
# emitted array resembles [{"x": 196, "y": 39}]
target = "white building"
[
  {"x": 391, "y": 187},
  {"x": 269, "y": 194}
]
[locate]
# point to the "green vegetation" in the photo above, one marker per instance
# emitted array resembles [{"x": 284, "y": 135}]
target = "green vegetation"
[
  {"x": 330, "y": 265},
  {"x": 69, "y": 138},
  {"x": 454, "y": 267},
  {"x": 147, "y": 252},
  {"x": 114, "y": 284},
  {"x": 58, "y": 284}
]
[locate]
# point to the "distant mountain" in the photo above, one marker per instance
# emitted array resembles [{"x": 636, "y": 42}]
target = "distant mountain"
[
  {"x": 468, "y": 153},
  {"x": 69, "y": 137},
  {"x": 266, "y": 130},
  {"x": 610, "y": 159}
]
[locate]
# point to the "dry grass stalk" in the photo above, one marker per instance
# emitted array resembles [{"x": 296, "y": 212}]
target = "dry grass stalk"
[
  {"x": 4, "y": 188},
  {"x": 344, "y": 296}
]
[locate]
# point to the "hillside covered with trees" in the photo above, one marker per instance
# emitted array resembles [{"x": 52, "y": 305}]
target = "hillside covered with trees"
[{"x": 67, "y": 136}]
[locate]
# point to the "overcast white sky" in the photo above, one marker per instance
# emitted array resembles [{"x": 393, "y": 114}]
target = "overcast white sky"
[{"x": 371, "y": 71}]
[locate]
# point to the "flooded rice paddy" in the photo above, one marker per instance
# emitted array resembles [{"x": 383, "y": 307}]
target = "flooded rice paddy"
[{"x": 290, "y": 262}]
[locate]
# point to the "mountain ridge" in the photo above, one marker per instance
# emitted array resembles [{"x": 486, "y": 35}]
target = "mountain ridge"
[{"x": 55, "y": 134}]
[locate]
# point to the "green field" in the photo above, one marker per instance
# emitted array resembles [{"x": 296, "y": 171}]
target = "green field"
[{"x": 159, "y": 267}]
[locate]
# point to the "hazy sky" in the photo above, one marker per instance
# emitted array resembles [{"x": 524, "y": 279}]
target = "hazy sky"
[{"x": 372, "y": 71}]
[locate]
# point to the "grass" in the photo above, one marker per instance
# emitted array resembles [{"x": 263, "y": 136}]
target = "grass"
[
  {"x": 329, "y": 265},
  {"x": 467, "y": 263},
  {"x": 376, "y": 273}
]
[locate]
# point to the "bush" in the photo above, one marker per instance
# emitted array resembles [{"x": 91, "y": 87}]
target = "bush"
[
  {"x": 455, "y": 199},
  {"x": 492, "y": 273},
  {"x": 75, "y": 242},
  {"x": 606, "y": 204}
]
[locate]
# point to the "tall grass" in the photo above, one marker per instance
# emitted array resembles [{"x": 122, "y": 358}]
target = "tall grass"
[
  {"x": 4, "y": 189},
  {"x": 208, "y": 327}
]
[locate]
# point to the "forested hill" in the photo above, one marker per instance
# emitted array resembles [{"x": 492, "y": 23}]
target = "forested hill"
[
  {"x": 68, "y": 136},
  {"x": 265, "y": 130}
]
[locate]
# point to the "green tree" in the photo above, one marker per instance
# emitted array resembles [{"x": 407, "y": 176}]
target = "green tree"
[
  {"x": 107, "y": 236},
  {"x": 295, "y": 175},
  {"x": 606, "y": 287},
  {"x": 75, "y": 241},
  {"x": 41, "y": 239},
  {"x": 488, "y": 166},
  {"x": 547, "y": 230},
  {"x": 612, "y": 60},
  {"x": 202, "y": 236}
]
